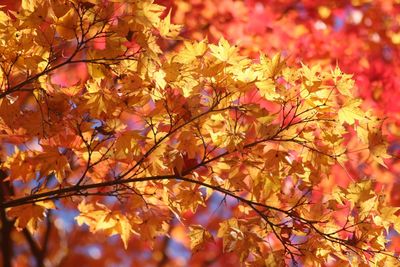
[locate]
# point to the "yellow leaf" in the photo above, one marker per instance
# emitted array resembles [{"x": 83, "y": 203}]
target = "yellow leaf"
[
  {"x": 28, "y": 5},
  {"x": 267, "y": 89},
  {"x": 148, "y": 14},
  {"x": 271, "y": 67},
  {"x": 311, "y": 74},
  {"x": 167, "y": 29},
  {"x": 4, "y": 19},
  {"x": 29, "y": 215},
  {"x": 351, "y": 112},
  {"x": 99, "y": 218},
  {"x": 377, "y": 146},
  {"x": 312, "y": 80},
  {"x": 198, "y": 236},
  {"x": 224, "y": 52},
  {"x": 159, "y": 77},
  {"x": 367, "y": 206},
  {"x": 66, "y": 25},
  {"x": 192, "y": 51},
  {"x": 344, "y": 86},
  {"x": 126, "y": 145},
  {"x": 99, "y": 100},
  {"x": 247, "y": 76},
  {"x": 120, "y": 225},
  {"x": 51, "y": 160},
  {"x": 388, "y": 217},
  {"x": 360, "y": 192}
]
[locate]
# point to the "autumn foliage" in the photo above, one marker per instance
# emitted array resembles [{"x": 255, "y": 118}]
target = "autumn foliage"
[{"x": 198, "y": 134}]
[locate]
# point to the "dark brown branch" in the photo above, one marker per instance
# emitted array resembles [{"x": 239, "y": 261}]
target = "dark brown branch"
[
  {"x": 165, "y": 242},
  {"x": 37, "y": 76},
  {"x": 35, "y": 249},
  {"x": 46, "y": 236},
  {"x": 6, "y": 225}
]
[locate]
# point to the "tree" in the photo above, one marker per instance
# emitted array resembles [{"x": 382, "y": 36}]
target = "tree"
[
  {"x": 109, "y": 116},
  {"x": 361, "y": 36},
  {"x": 314, "y": 32}
]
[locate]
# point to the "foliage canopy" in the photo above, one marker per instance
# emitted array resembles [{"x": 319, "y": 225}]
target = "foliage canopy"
[{"x": 106, "y": 110}]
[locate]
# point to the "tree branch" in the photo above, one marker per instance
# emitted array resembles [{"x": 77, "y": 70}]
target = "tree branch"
[
  {"x": 35, "y": 249},
  {"x": 6, "y": 225}
]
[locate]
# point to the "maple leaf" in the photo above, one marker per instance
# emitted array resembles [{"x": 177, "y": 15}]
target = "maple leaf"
[
  {"x": 121, "y": 226},
  {"x": 269, "y": 68},
  {"x": 198, "y": 236},
  {"x": 147, "y": 134},
  {"x": 377, "y": 146},
  {"x": 51, "y": 160},
  {"x": 387, "y": 217},
  {"x": 370, "y": 133},
  {"x": 225, "y": 52},
  {"x": 312, "y": 79},
  {"x": 192, "y": 51},
  {"x": 99, "y": 218},
  {"x": 350, "y": 112},
  {"x": 59, "y": 8},
  {"x": 159, "y": 78},
  {"x": 267, "y": 89},
  {"x": 231, "y": 234},
  {"x": 66, "y": 24},
  {"x": 29, "y": 215},
  {"x": 344, "y": 82},
  {"x": 167, "y": 29},
  {"x": 20, "y": 167},
  {"x": 4, "y": 19},
  {"x": 99, "y": 100},
  {"x": 126, "y": 145}
]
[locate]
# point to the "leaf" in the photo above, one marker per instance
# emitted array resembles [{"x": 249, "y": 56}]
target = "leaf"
[
  {"x": 344, "y": 82},
  {"x": 99, "y": 218},
  {"x": 198, "y": 236},
  {"x": 148, "y": 13},
  {"x": 167, "y": 29},
  {"x": 267, "y": 89},
  {"x": 147, "y": 132},
  {"x": 350, "y": 112},
  {"x": 360, "y": 192},
  {"x": 4, "y": 19},
  {"x": 378, "y": 146},
  {"x": 27, "y": 216},
  {"x": 387, "y": 217},
  {"x": 99, "y": 100},
  {"x": 224, "y": 52},
  {"x": 51, "y": 160},
  {"x": 126, "y": 145},
  {"x": 59, "y": 8},
  {"x": 231, "y": 234},
  {"x": 20, "y": 167},
  {"x": 28, "y": 5},
  {"x": 67, "y": 25},
  {"x": 193, "y": 50},
  {"x": 159, "y": 77},
  {"x": 122, "y": 226},
  {"x": 271, "y": 67}
]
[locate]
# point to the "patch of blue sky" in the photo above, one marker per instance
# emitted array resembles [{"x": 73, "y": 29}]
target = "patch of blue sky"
[
  {"x": 338, "y": 23},
  {"x": 217, "y": 207},
  {"x": 178, "y": 250},
  {"x": 65, "y": 218}
]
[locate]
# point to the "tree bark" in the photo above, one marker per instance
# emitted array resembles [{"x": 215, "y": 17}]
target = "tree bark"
[
  {"x": 6, "y": 225},
  {"x": 35, "y": 249}
]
